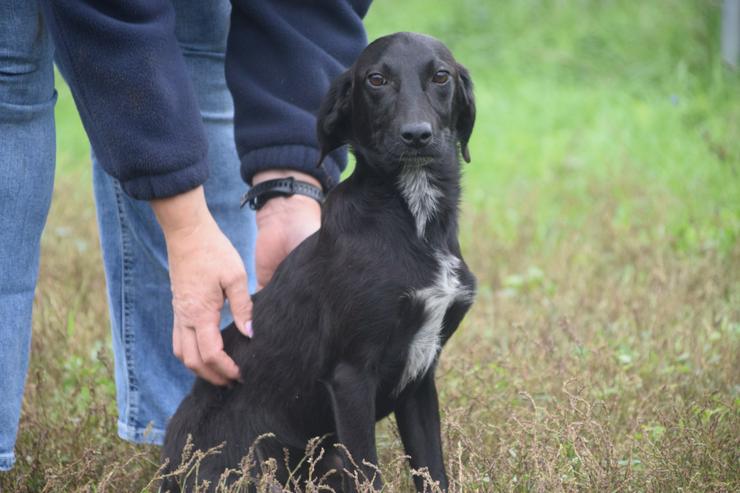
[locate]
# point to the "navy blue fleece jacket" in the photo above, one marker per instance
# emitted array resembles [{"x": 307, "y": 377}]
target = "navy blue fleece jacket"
[{"x": 137, "y": 104}]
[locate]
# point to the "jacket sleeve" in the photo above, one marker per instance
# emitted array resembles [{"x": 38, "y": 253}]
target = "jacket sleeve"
[
  {"x": 281, "y": 57},
  {"x": 134, "y": 95}
]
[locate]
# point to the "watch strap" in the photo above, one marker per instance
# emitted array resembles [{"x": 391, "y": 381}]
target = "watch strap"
[{"x": 259, "y": 194}]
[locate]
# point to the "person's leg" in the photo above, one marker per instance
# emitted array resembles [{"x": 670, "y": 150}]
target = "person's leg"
[
  {"x": 150, "y": 380},
  {"x": 27, "y": 143}
]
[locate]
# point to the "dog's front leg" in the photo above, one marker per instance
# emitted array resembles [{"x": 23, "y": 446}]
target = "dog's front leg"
[
  {"x": 352, "y": 395},
  {"x": 417, "y": 415}
]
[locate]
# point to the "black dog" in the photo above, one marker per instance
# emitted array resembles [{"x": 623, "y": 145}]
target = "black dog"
[{"x": 351, "y": 325}]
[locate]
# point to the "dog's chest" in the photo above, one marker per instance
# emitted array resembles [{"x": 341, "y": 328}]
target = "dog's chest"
[
  {"x": 435, "y": 299},
  {"x": 421, "y": 195}
]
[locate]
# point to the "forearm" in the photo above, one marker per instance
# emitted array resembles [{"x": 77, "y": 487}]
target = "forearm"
[{"x": 180, "y": 215}]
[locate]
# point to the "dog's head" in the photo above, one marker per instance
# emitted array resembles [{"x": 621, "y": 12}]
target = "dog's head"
[{"x": 404, "y": 101}]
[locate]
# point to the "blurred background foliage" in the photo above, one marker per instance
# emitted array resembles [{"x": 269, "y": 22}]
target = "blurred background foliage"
[{"x": 573, "y": 96}]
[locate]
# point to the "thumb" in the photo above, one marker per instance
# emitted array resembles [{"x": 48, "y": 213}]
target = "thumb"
[{"x": 240, "y": 304}]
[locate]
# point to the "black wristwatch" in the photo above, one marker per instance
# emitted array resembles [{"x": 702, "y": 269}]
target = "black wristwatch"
[{"x": 259, "y": 194}]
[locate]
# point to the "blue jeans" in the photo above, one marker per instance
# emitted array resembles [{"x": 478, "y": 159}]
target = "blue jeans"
[{"x": 150, "y": 381}]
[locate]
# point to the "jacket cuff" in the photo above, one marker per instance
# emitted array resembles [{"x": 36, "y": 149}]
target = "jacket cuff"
[
  {"x": 296, "y": 157},
  {"x": 167, "y": 184}
]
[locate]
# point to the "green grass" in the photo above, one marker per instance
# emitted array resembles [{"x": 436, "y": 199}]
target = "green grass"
[
  {"x": 602, "y": 218},
  {"x": 73, "y": 149}
]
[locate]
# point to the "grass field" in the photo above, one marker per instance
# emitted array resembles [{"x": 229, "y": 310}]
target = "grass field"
[{"x": 602, "y": 219}]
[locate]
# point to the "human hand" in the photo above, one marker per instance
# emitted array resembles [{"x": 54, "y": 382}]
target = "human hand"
[
  {"x": 204, "y": 268},
  {"x": 283, "y": 223}
]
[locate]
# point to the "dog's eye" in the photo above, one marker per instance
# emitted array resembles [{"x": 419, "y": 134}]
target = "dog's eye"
[
  {"x": 441, "y": 77},
  {"x": 376, "y": 80}
]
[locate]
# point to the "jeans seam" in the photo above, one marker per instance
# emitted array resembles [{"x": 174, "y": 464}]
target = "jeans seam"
[
  {"x": 137, "y": 434},
  {"x": 127, "y": 335}
]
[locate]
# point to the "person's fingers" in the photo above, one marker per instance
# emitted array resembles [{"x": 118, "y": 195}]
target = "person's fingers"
[
  {"x": 212, "y": 354},
  {"x": 240, "y": 303},
  {"x": 176, "y": 341},
  {"x": 213, "y": 377},
  {"x": 204, "y": 266},
  {"x": 192, "y": 358},
  {"x": 190, "y": 355}
]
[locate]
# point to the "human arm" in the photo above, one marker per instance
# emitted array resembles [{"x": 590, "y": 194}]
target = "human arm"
[
  {"x": 283, "y": 223},
  {"x": 281, "y": 58},
  {"x": 134, "y": 93},
  {"x": 205, "y": 269}
]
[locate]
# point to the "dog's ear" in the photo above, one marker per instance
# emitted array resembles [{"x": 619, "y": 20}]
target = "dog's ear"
[
  {"x": 334, "y": 119},
  {"x": 466, "y": 112}
]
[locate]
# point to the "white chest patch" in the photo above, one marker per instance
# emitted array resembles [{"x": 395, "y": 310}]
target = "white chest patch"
[
  {"x": 436, "y": 298},
  {"x": 420, "y": 194}
]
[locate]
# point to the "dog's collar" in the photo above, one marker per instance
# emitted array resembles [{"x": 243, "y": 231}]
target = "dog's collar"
[{"x": 259, "y": 194}]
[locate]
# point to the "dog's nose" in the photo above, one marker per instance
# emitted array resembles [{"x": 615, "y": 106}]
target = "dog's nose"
[{"x": 416, "y": 134}]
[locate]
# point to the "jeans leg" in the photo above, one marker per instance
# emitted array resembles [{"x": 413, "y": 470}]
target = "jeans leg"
[
  {"x": 139, "y": 301},
  {"x": 27, "y": 147},
  {"x": 150, "y": 381}
]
